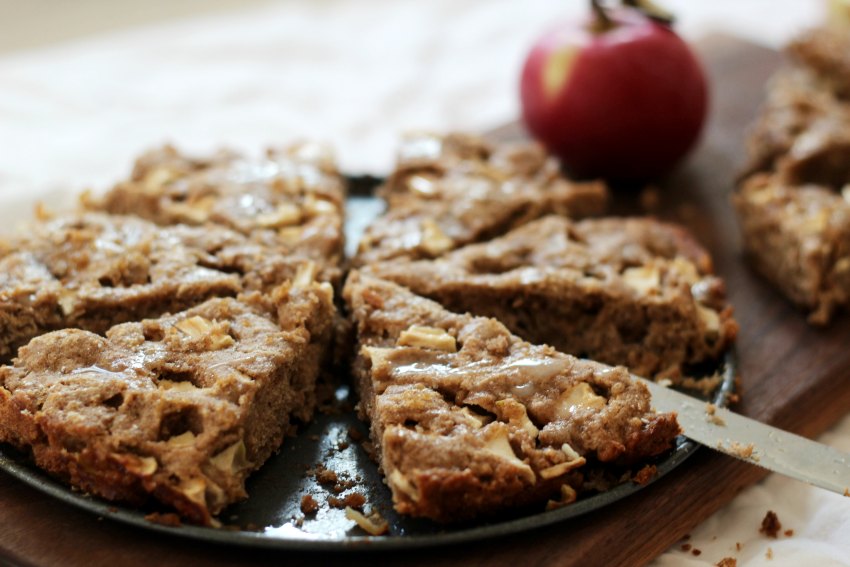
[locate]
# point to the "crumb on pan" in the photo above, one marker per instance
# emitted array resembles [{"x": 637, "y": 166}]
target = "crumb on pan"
[
  {"x": 645, "y": 474},
  {"x": 353, "y": 500},
  {"x": 164, "y": 519}
]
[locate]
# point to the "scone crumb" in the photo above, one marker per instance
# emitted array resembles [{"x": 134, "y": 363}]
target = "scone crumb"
[
  {"x": 727, "y": 562},
  {"x": 164, "y": 519},
  {"x": 325, "y": 476},
  {"x": 788, "y": 533},
  {"x": 645, "y": 474},
  {"x": 309, "y": 504},
  {"x": 769, "y": 553},
  {"x": 770, "y": 525},
  {"x": 711, "y": 415},
  {"x": 353, "y": 500},
  {"x": 743, "y": 451}
]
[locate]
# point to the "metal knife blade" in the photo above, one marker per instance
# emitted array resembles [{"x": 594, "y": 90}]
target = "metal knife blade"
[{"x": 752, "y": 441}]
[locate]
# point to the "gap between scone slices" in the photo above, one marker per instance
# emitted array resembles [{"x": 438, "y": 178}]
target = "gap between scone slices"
[
  {"x": 629, "y": 291},
  {"x": 468, "y": 420},
  {"x": 175, "y": 411},
  {"x": 454, "y": 189}
]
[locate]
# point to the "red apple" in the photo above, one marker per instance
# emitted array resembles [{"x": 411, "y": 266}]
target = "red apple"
[{"x": 618, "y": 95}]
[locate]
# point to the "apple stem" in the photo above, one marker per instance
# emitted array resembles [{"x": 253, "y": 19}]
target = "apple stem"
[
  {"x": 603, "y": 22},
  {"x": 651, "y": 10}
]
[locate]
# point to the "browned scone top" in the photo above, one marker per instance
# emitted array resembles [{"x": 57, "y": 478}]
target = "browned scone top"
[
  {"x": 629, "y": 291},
  {"x": 293, "y": 197},
  {"x": 92, "y": 271},
  {"x": 792, "y": 202},
  {"x": 177, "y": 410},
  {"x": 467, "y": 419},
  {"x": 455, "y": 189}
]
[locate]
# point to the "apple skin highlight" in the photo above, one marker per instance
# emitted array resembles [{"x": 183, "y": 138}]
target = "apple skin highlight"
[{"x": 625, "y": 103}]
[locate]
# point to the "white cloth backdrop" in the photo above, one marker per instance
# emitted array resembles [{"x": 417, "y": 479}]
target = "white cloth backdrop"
[{"x": 355, "y": 74}]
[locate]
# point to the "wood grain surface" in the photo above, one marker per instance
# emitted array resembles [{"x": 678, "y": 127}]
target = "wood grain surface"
[{"x": 791, "y": 375}]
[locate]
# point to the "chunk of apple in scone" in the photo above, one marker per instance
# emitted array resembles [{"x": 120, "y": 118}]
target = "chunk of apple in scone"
[{"x": 467, "y": 419}]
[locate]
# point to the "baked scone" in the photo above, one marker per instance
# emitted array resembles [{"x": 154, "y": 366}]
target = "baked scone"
[
  {"x": 792, "y": 203},
  {"x": 630, "y": 291},
  {"x": 803, "y": 131},
  {"x": 798, "y": 236},
  {"x": 467, "y": 419},
  {"x": 178, "y": 410},
  {"x": 92, "y": 271},
  {"x": 452, "y": 190},
  {"x": 293, "y": 198}
]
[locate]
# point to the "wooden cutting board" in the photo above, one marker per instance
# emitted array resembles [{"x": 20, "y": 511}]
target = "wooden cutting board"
[{"x": 791, "y": 375}]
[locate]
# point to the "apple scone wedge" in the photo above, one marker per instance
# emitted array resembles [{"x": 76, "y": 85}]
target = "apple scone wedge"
[
  {"x": 175, "y": 411},
  {"x": 467, "y": 419}
]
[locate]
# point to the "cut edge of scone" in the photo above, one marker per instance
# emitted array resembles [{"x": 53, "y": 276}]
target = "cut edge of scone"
[
  {"x": 468, "y": 420},
  {"x": 178, "y": 410}
]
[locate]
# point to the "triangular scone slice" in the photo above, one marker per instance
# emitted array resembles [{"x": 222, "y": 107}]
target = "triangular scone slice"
[
  {"x": 93, "y": 271},
  {"x": 454, "y": 189},
  {"x": 798, "y": 237},
  {"x": 630, "y": 291},
  {"x": 468, "y": 419},
  {"x": 177, "y": 410},
  {"x": 292, "y": 198}
]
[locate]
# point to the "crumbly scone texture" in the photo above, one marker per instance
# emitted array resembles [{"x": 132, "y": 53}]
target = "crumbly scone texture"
[
  {"x": 625, "y": 291},
  {"x": 792, "y": 201},
  {"x": 92, "y": 271},
  {"x": 177, "y": 410},
  {"x": 455, "y": 189},
  {"x": 293, "y": 198},
  {"x": 468, "y": 420}
]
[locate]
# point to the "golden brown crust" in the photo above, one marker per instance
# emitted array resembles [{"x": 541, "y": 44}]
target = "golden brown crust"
[{"x": 468, "y": 419}]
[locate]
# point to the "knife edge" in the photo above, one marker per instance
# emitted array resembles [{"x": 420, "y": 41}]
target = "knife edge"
[{"x": 754, "y": 442}]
